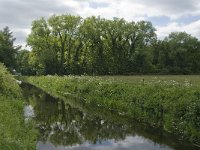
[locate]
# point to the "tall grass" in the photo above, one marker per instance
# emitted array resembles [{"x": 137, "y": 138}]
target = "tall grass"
[
  {"x": 171, "y": 105},
  {"x": 15, "y": 134}
]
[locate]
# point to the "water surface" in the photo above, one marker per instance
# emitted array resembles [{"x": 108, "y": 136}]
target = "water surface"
[{"x": 73, "y": 125}]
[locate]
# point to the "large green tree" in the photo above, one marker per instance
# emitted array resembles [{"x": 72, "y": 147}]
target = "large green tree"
[
  {"x": 44, "y": 48},
  {"x": 8, "y": 51},
  {"x": 52, "y": 41},
  {"x": 178, "y": 53}
]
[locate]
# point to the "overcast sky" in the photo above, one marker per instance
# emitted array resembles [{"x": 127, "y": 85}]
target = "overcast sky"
[{"x": 166, "y": 15}]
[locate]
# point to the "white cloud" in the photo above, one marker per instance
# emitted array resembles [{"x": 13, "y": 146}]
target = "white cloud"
[
  {"x": 22, "y": 12},
  {"x": 130, "y": 142},
  {"x": 192, "y": 28},
  {"x": 129, "y": 9},
  {"x": 171, "y": 8}
]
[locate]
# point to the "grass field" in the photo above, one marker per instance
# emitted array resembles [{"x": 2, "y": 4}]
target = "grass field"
[{"x": 179, "y": 79}]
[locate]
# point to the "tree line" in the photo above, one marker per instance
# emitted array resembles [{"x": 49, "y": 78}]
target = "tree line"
[{"x": 67, "y": 44}]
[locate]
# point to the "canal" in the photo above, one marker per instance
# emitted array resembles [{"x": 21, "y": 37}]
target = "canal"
[{"x": 70, "y": 124}]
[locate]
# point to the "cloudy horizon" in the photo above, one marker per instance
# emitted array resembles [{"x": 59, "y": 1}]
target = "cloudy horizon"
[{"x": 166, "y": 15}]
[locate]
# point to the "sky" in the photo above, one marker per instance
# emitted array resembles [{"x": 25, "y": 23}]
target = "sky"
[{"x": 166, "y": 15}]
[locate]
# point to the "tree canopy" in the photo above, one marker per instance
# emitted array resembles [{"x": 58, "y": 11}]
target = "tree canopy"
[{"x": 68, "y": 44}]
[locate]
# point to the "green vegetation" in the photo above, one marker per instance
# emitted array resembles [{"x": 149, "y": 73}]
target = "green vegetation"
[
  {"x": 68, "y": 44},
  {"x": 8, "y": 51},
  {"x": 15, "y": 134},
  {"x": 173, "y": 106}
]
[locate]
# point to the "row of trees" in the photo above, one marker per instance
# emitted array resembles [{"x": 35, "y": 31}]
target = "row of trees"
[{"x": 68, "y": 44}]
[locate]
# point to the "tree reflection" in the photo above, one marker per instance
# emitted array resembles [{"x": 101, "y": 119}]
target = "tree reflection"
[{"x": 63, "y": 124}]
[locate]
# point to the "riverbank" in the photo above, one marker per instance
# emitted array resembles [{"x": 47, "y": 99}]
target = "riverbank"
[
  {"x": 170, "y": 105},
  {"x": 14, "y": 132},
  {"x": 69, "y": 123}
]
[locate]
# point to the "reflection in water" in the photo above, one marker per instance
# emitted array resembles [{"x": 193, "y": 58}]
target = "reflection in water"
[
  {"x": 69, "y": 125},
  {"x": 136, "y": 142},
  {"x": 29, "y": 111}
]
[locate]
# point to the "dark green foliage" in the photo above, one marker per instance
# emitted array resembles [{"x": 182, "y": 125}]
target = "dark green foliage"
[
  {"x": 178, "y": 53},
  {"x": 25, "y": 65},
  {"x": 8, "y": 51}
]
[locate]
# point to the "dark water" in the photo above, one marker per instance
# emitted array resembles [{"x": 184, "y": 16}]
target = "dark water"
[{"x": 72, "y": 125}]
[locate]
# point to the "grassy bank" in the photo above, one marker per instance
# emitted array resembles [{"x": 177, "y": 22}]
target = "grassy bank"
[
  {"x": 15, "y": 134},
  {"x": 173, "y": 105}
]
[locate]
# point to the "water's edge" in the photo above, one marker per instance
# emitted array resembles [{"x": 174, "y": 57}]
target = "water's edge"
[{"x": 91, "y": 126}]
